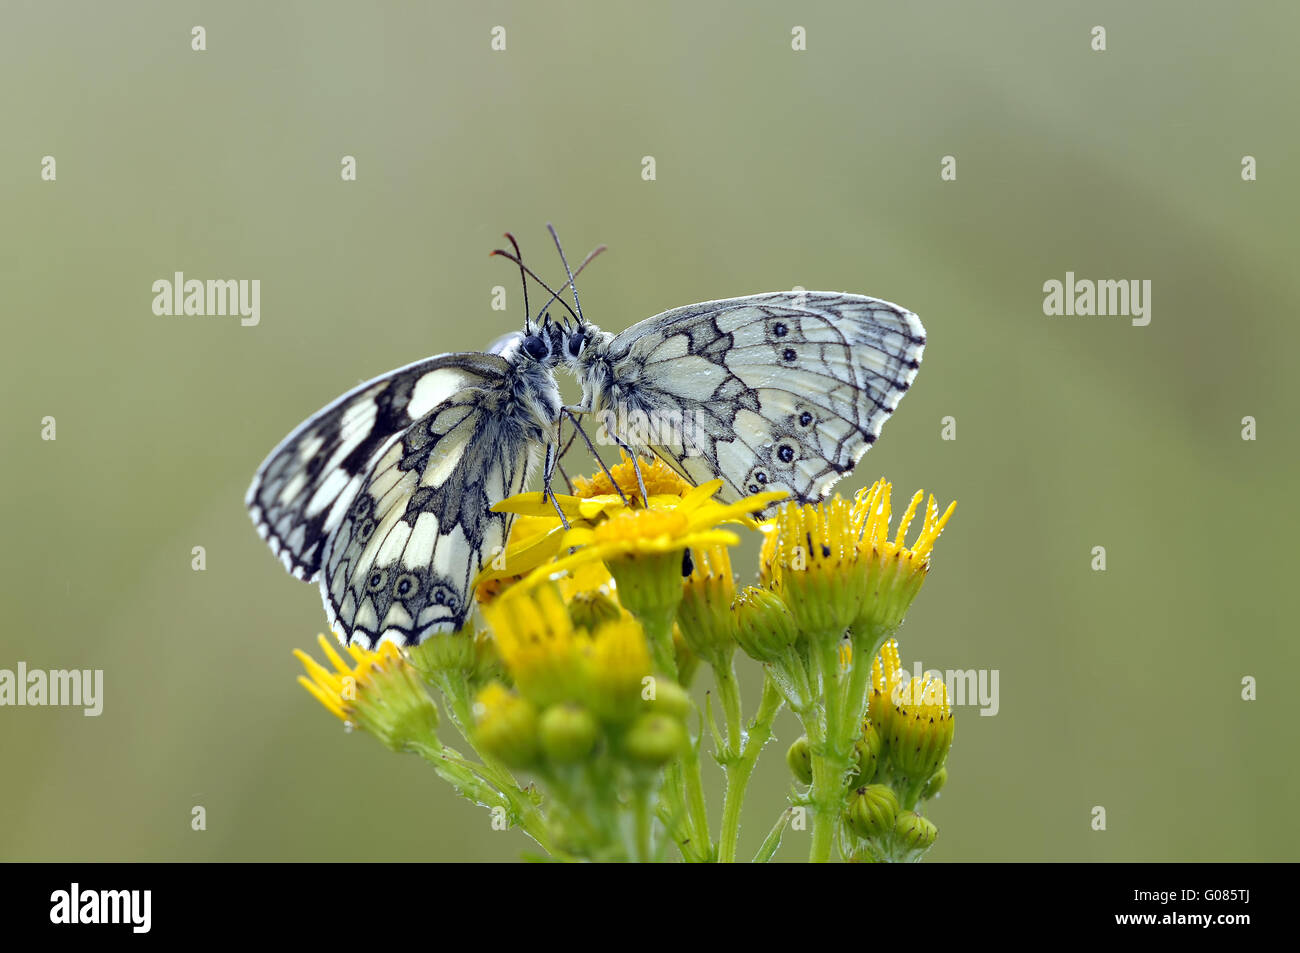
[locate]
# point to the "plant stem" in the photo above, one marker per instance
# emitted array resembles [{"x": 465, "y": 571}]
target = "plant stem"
[
  {"x": 829, "y": 762},
  {"x": 697, "y": 810},
  {"x": 467, "y": 778},
  {"x": 644, "y": 841},
  {"x": 741, "y": 769}
]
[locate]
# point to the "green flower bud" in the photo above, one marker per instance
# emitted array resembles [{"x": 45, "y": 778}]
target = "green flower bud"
[
  {"x": 936, "y": 782},
  {"x": 872, "y": 810},
  {"x": 799, "y": 758},
  {"x": 506, "y": 726},
  {"x": 704, "y": 616},
  {"x": 914, "y": 832},
  {"x": 590, "y": 610},
  {"x": 567, "y": 732},
  {"x": 867, "y": 753},
  {"x": 453, "y": 652},
  {"x": 765, "y": 628},
  {"x": 671, "y": 699},
  {"x": 655, "y": 739}
]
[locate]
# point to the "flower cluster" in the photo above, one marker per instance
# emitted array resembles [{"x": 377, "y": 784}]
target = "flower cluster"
[
  {"x": 898, "y": 762},
  {"x": 575, "y": 671}
]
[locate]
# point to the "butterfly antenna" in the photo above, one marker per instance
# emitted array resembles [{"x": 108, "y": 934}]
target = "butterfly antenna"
[
  {"x": 555, "y": 295},
  {"x": 523, "y": 279},
  {"x": 560, "y": 248},
  {"x": 585, "y": 262}
]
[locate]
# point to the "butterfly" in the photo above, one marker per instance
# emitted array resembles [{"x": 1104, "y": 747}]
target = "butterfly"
[
  {"x": 773, "y": 391},
  {"x": 385, "y": 496}
]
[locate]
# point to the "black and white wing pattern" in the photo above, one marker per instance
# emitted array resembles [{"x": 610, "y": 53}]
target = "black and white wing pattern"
[
  {"x": 384, "y": 496},
  {"x": 775, "y": 391}
]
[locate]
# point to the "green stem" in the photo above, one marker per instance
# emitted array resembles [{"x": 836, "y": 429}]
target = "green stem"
[
  {"x": 724, "y": 673},
  {"x": 696, "y": 809},
  {"x": 825, "y": 740},
  {"x": 468, "y": 780},
  {"x": 659, "y": 630},
  {"x": 527, "y": 814},
  {"x": 857, "y": 687},
  {"x": 741, "y": 769},
  {"x": 644, "y": 841}
]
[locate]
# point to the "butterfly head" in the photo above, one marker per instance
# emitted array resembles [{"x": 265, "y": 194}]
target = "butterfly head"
[
  {"x": 575, "y": 341},
  {"x": 543, "y": 341}
]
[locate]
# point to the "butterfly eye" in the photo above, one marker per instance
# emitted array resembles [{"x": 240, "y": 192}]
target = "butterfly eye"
[
  {"x": 576, "y": 341},
  {"x": 536, "y": 347}
]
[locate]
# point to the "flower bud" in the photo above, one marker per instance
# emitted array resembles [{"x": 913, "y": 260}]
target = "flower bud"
[
  {"x": 872, "y": 810},
  {"x": 655, "y": 739},
  {"x": 914, "y": 832},
  {"x": 935, "y": 784},
  {"x": 590, "y": 610},
  {"x": 670, "y": 698},
  {"x": 799, "y": 758},
  {"x": 866, "y": 754},
  {"x": 567, "y": 732},
  {"x": 765, "y": 628},
  {"x": 704, "y": 616},
  {"x": 920, "y": 728},
  {"x": 506, "y": 726}
]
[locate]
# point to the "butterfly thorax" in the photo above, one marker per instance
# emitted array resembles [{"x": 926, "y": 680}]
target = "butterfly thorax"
[
  {"x": 533, "y": 399},
  {"x": 587, "y": 359}
]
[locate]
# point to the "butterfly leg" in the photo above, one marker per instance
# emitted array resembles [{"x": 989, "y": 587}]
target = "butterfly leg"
[
  {"x": 636, "y": 466},
  {"x": 565, "y": 411},
  {"x": 552, "y": 458}
]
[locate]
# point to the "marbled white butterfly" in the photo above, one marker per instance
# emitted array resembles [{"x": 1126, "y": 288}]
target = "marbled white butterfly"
[{"x": 384, "y": 497}]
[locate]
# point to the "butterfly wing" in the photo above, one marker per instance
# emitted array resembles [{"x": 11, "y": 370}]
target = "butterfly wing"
[
  {"x": 401, "y": 564},
  {"x": 301, "y": 491},
  {"x": 774, "y": 391}
]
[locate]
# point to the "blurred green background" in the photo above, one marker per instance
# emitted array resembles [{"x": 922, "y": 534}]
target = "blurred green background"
[{"x": 774, "y": 168}]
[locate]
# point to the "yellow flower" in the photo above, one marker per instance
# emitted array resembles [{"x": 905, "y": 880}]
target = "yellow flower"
[
  {"x": 704, "y": 616},
  {"x": 630, "y": 534},
  {"x": 886, "y": 676},
  {"x": 551, "y": 661},
  {"x": 895, "y": 571},
  {"x": 533, "y": 540},
  {"x": 619, "y": 665},
  {"x": 538, "y": 644},
  {"x": 537, "y": 535},
  {"x": 660, "y": 480},
  {"x": 810, "y": 559},
  {"x": 381, "y": 694},
  {"x": 920, "y": 729}
]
